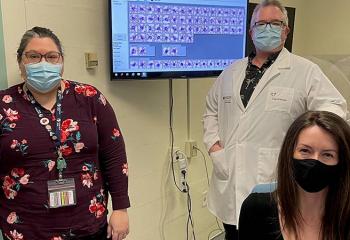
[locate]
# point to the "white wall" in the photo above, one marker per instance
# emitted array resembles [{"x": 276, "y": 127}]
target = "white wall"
[{"x": 142, "y": 108}]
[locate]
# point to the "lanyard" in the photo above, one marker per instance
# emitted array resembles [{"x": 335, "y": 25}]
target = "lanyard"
[{"x": 55, "y": 135}]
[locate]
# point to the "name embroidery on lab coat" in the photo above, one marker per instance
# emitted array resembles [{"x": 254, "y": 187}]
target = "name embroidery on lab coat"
[{"x": 227, "y": 99}]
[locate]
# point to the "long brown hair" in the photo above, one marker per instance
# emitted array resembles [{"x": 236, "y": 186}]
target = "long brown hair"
[{"x": 336, "y": 218}]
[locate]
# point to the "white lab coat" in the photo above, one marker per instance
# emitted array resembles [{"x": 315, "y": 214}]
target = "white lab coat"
[{"x": 252, "y": 136}]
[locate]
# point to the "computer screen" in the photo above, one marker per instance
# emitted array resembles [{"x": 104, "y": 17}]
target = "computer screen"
[{"x": 175, "y": 38}]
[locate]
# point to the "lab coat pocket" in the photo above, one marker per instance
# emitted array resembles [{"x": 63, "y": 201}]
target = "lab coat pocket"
[
  {"x": 279, "y": 99},
  {"x": 220, "y": 166},
  {"x": 267, "y": 161}
]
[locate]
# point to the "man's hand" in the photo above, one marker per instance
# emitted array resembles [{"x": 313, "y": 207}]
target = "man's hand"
[
  {"x": 215, "y": 147},
  {"x": 118, "y": 226}
]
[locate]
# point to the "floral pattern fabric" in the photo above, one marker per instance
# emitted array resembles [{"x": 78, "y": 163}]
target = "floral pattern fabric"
[{"x": 91, "y": 140}]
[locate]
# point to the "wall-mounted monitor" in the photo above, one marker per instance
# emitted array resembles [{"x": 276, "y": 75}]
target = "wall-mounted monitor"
[{"x": 153, "y": 39}]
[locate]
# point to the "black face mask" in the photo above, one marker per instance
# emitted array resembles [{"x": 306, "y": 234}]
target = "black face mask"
[{"x": 313, "y": 175}]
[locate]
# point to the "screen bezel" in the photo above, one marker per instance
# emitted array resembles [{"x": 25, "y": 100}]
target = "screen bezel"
[{"x": 162, "y": 75}]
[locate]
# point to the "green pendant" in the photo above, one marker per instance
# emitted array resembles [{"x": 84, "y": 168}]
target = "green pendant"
[{"x": 61, "y": 163}]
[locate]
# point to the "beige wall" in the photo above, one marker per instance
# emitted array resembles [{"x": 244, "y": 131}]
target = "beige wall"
[{"x": 142, "y": 107}]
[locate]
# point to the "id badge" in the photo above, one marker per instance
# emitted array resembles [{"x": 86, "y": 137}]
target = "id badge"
[{"x": 61, "y": 193}]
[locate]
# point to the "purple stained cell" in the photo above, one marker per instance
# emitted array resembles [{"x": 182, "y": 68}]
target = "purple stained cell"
[
  {"x": 189, "y": 63},
  {"x": 182, "y": 19},
  {"x": 166, "y": 19},
  {"x": 158, "y": 28},
  {"x": 158, "y": 9},
  {"x": 158, "y": 38},
  {"x": 166, "y": 38},
  {"x": 133, "y": 18},
  {"x": 189, "y": 38},
  {"x": 133, "y": 51},
  {"x": 166, "y": 9},
  {"x": 149, "y": 9},
  {"x": 174, "y": 19},
  {"x": 189, "y": 11},
  {"x": 142, "y": 51},
  {"x": 157, "y": 64},
  {"x": 174, "y": 10},
  {"x": 142, "y": 37},
  {"x": 142, "y": 28},
  {"x": 173, "y": 28},
  {"x": 142, "y": 18},
  {"x": 189, "y": 29},
  {"x": 133, "y": 64},
  {"x": 174, "y": 52},
  {"x": 141, "y": 8},
  {"x": 133, "y": 8},
  {"x": 133, "y": 28},
  {"x": 182, "y": 38},
  {"x": 182, "y": 11},
  {"x": 150, "y": 64},
  {"x": 166, "y": 51},
  {"x": 150, "y": 38},
  {"x": 166, "y": 28},
  {"x": 150, "y": 18},
  {"x": 133, "y": 37},
  {"x": 142, "y": 63}
]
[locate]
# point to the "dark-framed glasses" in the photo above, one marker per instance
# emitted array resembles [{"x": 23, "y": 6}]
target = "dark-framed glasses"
[
  {"x": 261, "y": 25},
  {"x": 50, "y": 57}
]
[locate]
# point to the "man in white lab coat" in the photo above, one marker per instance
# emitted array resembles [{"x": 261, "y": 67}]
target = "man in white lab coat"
[{"x": 250, "y": 107}]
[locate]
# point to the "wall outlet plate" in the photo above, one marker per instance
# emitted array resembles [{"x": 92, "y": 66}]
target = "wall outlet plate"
[{"x": 190, "y": 148}]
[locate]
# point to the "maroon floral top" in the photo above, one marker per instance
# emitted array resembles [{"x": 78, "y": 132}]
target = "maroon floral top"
[{"x": 94, "y": 150}]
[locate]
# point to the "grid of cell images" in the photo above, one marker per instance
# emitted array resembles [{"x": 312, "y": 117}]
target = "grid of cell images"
[{"x": 173, "y": 25}]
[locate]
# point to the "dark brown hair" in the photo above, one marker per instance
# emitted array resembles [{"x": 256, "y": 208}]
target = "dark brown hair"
[
  {"x": 336, "y": 218},
  {"x": 37, "y": 32}
]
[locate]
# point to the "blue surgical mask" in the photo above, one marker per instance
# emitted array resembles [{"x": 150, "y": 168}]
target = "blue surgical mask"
[
  {"x": 43, "y": 76},
  {"x": 267, "y": 38}
]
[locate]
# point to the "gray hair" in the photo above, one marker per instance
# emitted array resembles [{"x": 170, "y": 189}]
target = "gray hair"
[
  {"x": 266, "y": 3},
  {"x": 37, "y": 32}
]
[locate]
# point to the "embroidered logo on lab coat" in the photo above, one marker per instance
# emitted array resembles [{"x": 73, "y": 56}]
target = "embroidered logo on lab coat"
[{"x": 227, "y": 99}]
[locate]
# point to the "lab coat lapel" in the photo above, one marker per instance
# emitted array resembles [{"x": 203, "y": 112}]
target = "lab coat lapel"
[
  {"x": 282, "y": 62},
  {"x": 239, "y": 74}
]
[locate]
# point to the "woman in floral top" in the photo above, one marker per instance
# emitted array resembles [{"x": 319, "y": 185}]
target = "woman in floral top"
[{"x": 61, "y": 153}]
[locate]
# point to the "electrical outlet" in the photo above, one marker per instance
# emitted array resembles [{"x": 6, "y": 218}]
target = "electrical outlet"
[
  {"x": 204, "y": 198},
  {"x": 190, "y": 148},
  {"x": 175, "y": 149}
]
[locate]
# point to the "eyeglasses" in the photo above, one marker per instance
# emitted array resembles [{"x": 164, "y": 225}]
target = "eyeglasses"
[
  {"x": 261, "y": 25},
  {"x": 50, "y": 57}
]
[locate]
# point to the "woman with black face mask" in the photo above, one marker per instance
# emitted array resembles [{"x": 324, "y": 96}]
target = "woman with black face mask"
[{"x": 312, "y": 199}]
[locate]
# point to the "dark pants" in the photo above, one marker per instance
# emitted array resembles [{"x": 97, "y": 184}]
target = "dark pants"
[
  {"x": 100, "y": 235},
  {"x": 231, "y": 232}
]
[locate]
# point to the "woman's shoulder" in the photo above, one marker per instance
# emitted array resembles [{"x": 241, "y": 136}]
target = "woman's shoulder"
[
  {"x": 82, "y": 89},
  {"x": 259, "y": 203}
]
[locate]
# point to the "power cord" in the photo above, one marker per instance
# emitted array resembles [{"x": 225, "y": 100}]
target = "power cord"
[
  {"x": 171, "y": 104},
  {"x": 183, "y": 166},
  {"x": 189, "y": 218}
]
